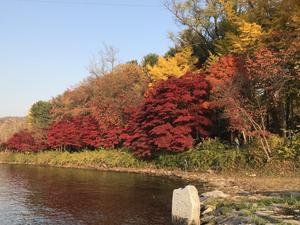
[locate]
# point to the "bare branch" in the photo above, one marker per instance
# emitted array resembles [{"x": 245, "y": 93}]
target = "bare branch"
[{"x": 104, "y": 62}]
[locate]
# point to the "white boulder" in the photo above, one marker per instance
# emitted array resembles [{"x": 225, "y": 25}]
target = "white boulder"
[{"x": 186, "y": 206}]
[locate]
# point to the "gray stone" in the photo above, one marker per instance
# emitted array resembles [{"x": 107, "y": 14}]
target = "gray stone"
[
  {"x": 235, "y": 220},
  {"x": 213, "y": 194},
  {"x": 208, "y": 220},
  {"x": 186, "y": 206},
  {"x": 295, "y": 222},
  {"x": 294, "y": 194}
]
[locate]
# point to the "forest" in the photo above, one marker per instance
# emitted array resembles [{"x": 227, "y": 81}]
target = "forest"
[{"x": 232, "y": 79}]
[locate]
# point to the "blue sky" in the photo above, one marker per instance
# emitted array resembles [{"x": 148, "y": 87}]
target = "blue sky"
[{"x": 45, "y": 47}]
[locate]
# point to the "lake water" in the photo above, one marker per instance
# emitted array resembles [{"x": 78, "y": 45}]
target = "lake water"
[{"x": 38, "y": 195}]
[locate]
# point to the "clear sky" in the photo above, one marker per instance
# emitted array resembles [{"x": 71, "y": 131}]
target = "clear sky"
[{"x": 46, "y": 45}]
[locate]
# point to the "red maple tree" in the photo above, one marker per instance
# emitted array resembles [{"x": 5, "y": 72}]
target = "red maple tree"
[
  {"x": 82, "y": 132},
  {"x": 25, "y": 140},
  {"x": 171, "y": 118}
]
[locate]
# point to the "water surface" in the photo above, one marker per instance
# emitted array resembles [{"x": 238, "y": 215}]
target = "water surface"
[{"x": 38, "y": 195}]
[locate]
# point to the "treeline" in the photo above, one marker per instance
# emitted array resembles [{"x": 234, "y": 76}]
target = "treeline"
[
  {"x": 11, "y": 125},
  {"x": 233, "y": 74}
]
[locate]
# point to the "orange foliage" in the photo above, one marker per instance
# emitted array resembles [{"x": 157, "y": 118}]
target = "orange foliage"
[
  {"x": 220, "y": 72},
  {"x": 106, "y": 97}
]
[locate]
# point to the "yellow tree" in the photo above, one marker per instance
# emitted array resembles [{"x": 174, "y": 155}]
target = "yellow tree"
[
  {"x": 246, "y": 36},
  {"x": 175, "y": 66}
]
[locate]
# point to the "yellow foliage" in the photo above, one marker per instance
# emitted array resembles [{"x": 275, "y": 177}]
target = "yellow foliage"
[
  {"x": 247, "y": 36},
  {"x": 212, "y": 59},
  {"x": 176, "y": 66}
]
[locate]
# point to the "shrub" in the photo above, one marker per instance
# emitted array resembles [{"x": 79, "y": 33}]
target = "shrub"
[
  {"x": 66, "y": 133},
  {"x": 254, "y": 154},
  {"x": 172, "y": 118},
  {"x": 25, "y": 140},
  {"x": 291, "y": 148},
  {"x": 211, "y": 154},
  {"x": 81, "y": 132}
]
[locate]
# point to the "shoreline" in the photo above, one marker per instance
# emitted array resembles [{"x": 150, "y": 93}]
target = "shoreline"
[{"x": 233, "y": 183}]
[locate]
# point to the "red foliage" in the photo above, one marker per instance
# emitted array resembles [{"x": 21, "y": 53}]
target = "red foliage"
[
  {"x": 222, "y": 71},
  {"x": 247, "y": 88},
  {"x": 109, "y": 137},
  {"x": 82, "y": 132},
  {"x": 25, "y": 141},
  {"x": 226, "y": 78},
  {"x": 266, "y": 70},
  {"x": 171, "y": 118}
]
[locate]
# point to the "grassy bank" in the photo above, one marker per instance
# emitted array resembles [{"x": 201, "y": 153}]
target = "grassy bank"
[
  {"x": 84, "y": 159},
  {"x": 207, "y": 157},
  {"x": 211, "y": 155}
]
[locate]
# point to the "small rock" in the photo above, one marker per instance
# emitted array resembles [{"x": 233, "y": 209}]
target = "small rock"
[
  {"x": 236, "y": 220},
  {"x": 210, "y": 171},
  {"x": 252, "y": 175},
  {"x": 264, "y": 213},
  {"x": 295, "y": 222},
  {"x": 294, "y": 194},
  {"x": 208, "y": 210},
  {"x": 214, "y": 194},
  {"x": 275, "y": 194},
  {"x": 244, "y": 193}
]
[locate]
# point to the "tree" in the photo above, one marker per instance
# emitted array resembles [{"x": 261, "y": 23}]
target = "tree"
[
  {"x": 240, "y": 100},
  {"x": 11, "y": 125},
  {"x": 107, "y": 98},
  {"x": 149, "y": 60},
  {"x": 74, "y": 133},
  {"x": 40, "y": 115},
  {"x": 116, "y": 92},
  {"x": 250, "y": 89},
  {"x": 73, "y": 101},
  {"x": 176, "y": 66},
  {"x": 270, "y": 78},
  {"x": 245, "y": 37},
  {"x": 274, "y": 15},
  {"x": 105, "y": 62},
  {"x": 202, "y": 24},
  {"x": 81, "y": 132},
  {"x": 25, "y": 140},
  {"x": 172, "y": 118}
]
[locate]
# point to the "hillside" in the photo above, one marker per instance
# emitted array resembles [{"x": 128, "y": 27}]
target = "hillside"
[{"x": 10, "y": 125}]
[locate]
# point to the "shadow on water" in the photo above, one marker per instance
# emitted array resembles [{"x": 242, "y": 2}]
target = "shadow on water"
[{"x": 38, "y": 195}]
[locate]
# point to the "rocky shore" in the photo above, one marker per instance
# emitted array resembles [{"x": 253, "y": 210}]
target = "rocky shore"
[{"x": 245, "y": 208}]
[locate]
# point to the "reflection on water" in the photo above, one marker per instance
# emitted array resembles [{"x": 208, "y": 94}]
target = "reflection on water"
[{"x": 36, "y": 195}]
